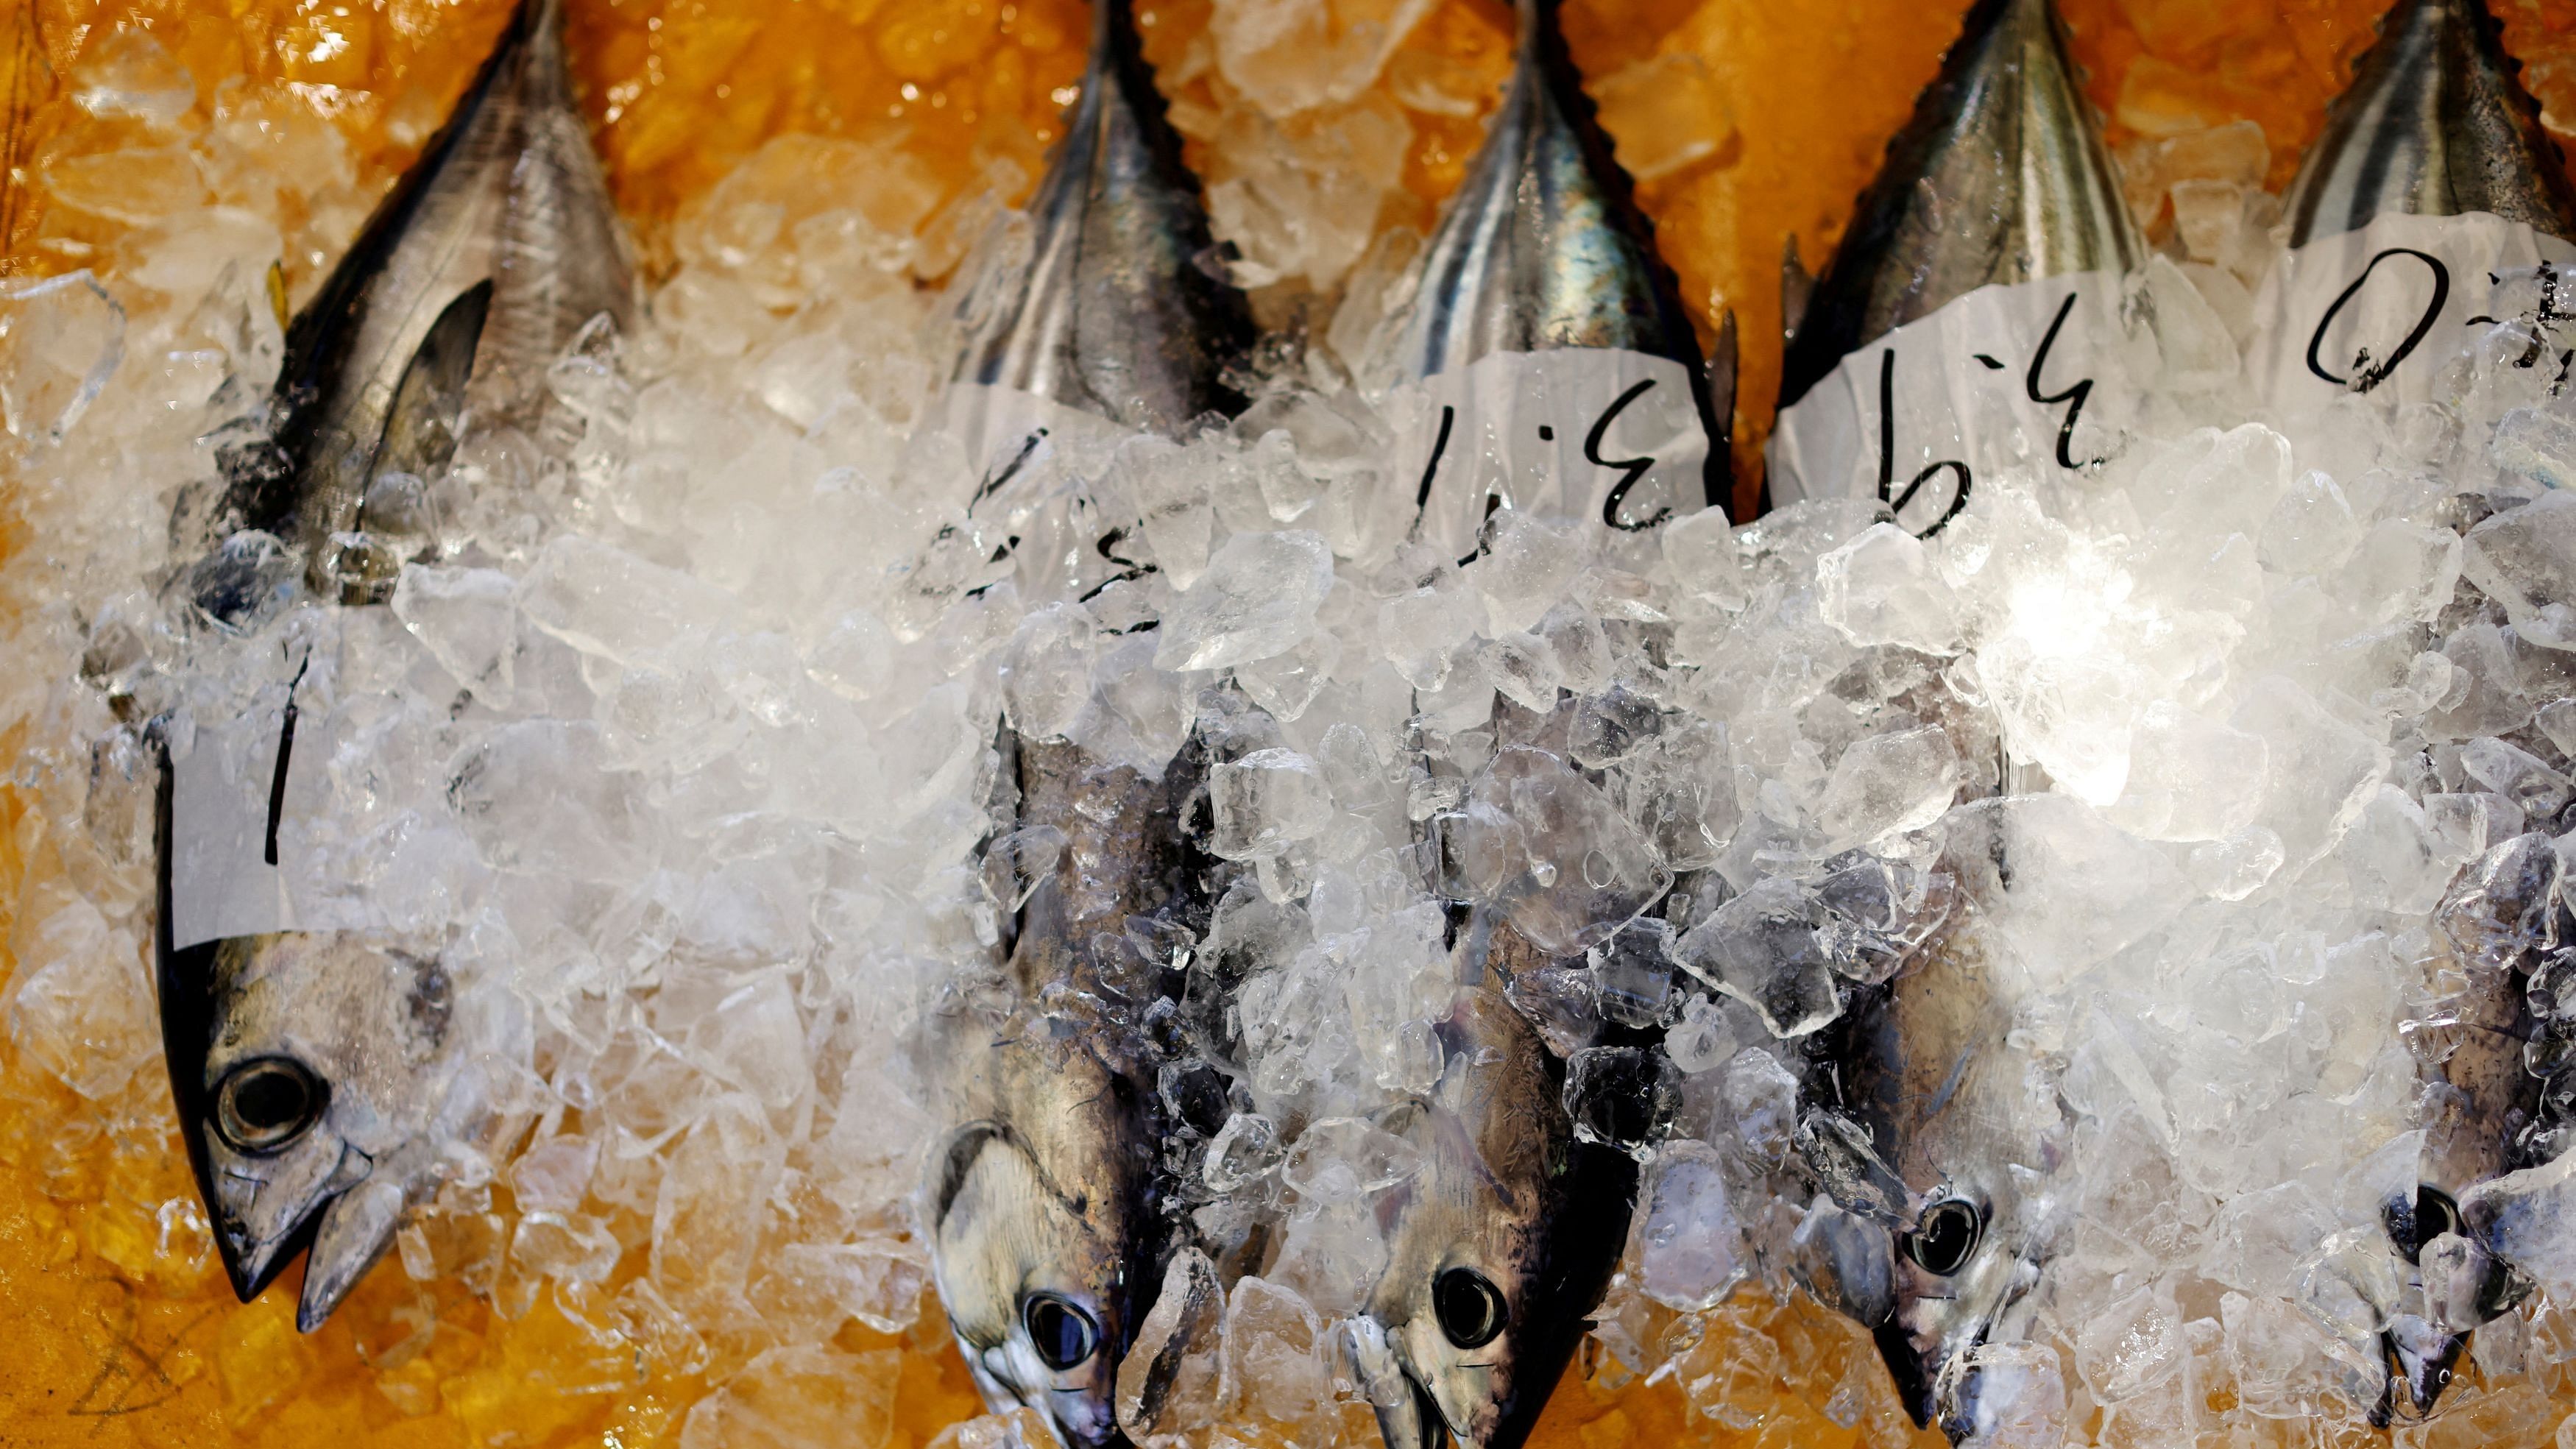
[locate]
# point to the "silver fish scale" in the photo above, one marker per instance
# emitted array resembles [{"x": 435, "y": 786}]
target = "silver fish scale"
[
  {"x": 2435, "y": 123},
  {"x": 2000, "y": 177}
]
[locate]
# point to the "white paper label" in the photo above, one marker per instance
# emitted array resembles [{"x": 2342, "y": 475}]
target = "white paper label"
[
  {"x": 224, "y": 877},
  {"x": 2383, "y": 309},
  {"x": 256, "y": 841},
  {"x": 1581, "y": 432},
  {"x": 2020, "y": 377}
]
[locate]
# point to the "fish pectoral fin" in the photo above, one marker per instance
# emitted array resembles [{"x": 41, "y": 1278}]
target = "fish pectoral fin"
[
  {"x": 420, "y": 428},
  {"x": 356, "y": 1228},
  {"x": 1722, "y": 359}
]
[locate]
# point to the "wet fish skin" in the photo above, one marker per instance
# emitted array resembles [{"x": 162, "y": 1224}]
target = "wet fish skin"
[
  {"x": 1509, "y": 1214},
  {"x": 1045, "y": 1191},
  {"x": 1543, "y": 246},
  {"x": 1118, "y": 312},
  {"x": 2435, "y": 123},
  {"x": 1921, "y": 1064},
  {"x": 471, "y": 277},
  {"x": 2000, "y": 177},
  {"x": 346, "y": 1050},
  {"x": 2479, "y": 1097}
]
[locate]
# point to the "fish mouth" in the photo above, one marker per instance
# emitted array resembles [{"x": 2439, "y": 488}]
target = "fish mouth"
[
  {"x": 2421, "y": 1357},
  {"x": 1913, "y": 1386}
]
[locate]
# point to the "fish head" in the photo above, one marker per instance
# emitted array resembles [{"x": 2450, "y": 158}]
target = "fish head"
[
  {"x": 1498, "y": 1248},
  {"x": 313, "y": 1102},
  {"x": 1956, "y": 1274},
  {"x": 1041, "y": 1241}
]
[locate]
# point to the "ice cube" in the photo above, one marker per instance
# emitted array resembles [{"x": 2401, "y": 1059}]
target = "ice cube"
[
  {"x": 1692, "y": 1252},
  {"x": 1888, "y": 784},
  {"x": 1763, "y": 948},
  {"x": 2019, "y": 1400},
  {"x": 1881, "y": 588},
  {"x": 2536, "y": 444},
  {"x": 469, "y": 621},
  {"x": 61, "y": 339},
  {"x": 1526, "y": 567},
  {"x": 796, "y": 1395},
  {"x": 1265, "y": 802},
  {"x": 1700, "y": 550},
  {"x": 1623, "y": 1097},
  {"x": 1762, "y": 1097},
  {"x": 2130, "y": 1345},
  {"x": 2525, "y": 559},
  {"x": 1258, "y": 598}
]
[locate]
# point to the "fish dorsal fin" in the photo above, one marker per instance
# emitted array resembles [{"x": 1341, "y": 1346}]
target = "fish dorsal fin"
[
  {"x": 420, "y": 427},
  {"x": 1797, "y": 289},
  {"x": 2436, "y": 123},
  {"x": 2000, "y": 177},
  {"x": 1116, "y": 311},
  {"x": 1722, "y": 363},
  {"x": 1542, "y": 246}
]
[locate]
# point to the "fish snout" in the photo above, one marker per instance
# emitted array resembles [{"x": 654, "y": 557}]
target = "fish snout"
[
  {"x": 2421, "y": 1357},
  {"x": 1407, "y": 1416}
]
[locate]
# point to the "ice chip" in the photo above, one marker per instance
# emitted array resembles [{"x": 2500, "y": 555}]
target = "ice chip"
[
  {"x": 1881, "y": 588},
  {"x": 2500, "y": 907},
  {"x": 605, "y": 601},
  {"x": 1886, "y": 784},
  {"x": 1526, "y": 567},
  {"x": 2130, "y": 1346},
  {"x": 2528, "y": 1219},
  {"x": 2403, "y": 569},
  {"x": 2190, "y": 778},
  {"x": 1265, "y": 802},
  {"x": 2396, "y": 859},
  {"x": 799, "y": 1395},
  {"x": 1701, "y": 1039},
  {"x": 1046, "y": 672},
  {"x": 1762, "y": 1097},
  {"x": 1692, "y": 1251},
  {"x": 1552, "y": 850},
  {"x": 2536, "y": 444},
  {"x": 1763, "y": 947},
  {"x": 2525, "y": 559},
  {"x": 2322, "y": 771},
  {"x": 244, "y": 581},
  {"x": 1623, "y": 1097},
  {"x": 2019, "y": 1400},
  {"x": 61, "y": 339},
  {"x": 1611, "y": 726},
  {"x": 468, "y": 619},
  {"x": 1343, "y": 1159},
  {"x": 1258, "y": 598},
  {"x": 1167, "y": 1378},
  {"x": 1700, "y": 550}
]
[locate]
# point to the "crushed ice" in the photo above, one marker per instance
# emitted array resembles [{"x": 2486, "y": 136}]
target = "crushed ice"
[{"x": 676, "y": 734}]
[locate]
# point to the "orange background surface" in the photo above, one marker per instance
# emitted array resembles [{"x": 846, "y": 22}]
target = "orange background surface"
[{"x": 115, "y": 1325}]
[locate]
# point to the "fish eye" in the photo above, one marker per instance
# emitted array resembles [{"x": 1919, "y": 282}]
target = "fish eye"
[
  {"x": 264, "y": 1104},
  {"x": 1945, "y": 1236},
  {"x": 2412, "y": 1225},
  {"x": 1470, "y": 1308},
  {"x": 1064, "y": 1335}
]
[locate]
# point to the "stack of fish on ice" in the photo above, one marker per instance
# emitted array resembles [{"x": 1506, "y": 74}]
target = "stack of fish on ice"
[{"x": 2069, "y": 886}]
